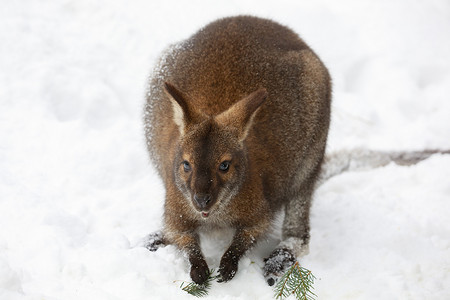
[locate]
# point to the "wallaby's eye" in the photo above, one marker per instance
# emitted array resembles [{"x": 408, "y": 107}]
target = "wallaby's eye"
[
  {"x": 224, "y": 166},
  {"x": 186, "y": 166}
]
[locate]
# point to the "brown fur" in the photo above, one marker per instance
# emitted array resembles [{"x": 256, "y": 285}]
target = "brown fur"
[{"x": 249, "y": 93}]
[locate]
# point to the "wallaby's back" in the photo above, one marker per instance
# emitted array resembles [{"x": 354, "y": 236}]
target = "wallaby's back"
[{"x": 226, "y": 61}]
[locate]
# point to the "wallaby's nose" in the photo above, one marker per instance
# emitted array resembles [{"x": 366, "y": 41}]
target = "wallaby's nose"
[{"x": 202, "y": 199}]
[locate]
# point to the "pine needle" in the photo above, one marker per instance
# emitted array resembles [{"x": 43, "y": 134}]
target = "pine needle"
[
  {"x": 199, "y": 290},
  {"x": 296, "y": 281}
]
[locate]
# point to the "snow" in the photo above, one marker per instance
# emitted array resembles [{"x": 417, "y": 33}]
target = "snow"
[{"x": 77, "y": 192}]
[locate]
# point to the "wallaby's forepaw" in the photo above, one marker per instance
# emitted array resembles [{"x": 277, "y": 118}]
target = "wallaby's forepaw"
[
  {"x": 199, "y": 271},
  {"x": 228, "y": 266},
  {"x": 276, "y": 264},
  {"x": 154, "y": 241}
]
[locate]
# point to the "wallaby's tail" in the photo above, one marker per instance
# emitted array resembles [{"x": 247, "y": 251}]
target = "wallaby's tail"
[{"x": 362, "y": 159}]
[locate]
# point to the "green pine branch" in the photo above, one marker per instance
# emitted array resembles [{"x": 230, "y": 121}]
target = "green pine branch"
[{"x": 296, "y": 281}]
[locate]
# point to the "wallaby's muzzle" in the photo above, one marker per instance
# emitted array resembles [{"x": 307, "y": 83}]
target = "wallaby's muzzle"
[{"x": 202, "y": 200}]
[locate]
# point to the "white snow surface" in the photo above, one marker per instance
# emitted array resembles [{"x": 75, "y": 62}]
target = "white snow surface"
[{"x": 77, "y": 191}]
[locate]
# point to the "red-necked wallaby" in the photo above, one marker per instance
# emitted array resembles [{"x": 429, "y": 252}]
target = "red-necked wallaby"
[{"x": 236, "y": 122}]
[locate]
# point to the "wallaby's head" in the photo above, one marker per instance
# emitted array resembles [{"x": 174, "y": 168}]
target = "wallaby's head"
[{"x": 211, "y": 161}]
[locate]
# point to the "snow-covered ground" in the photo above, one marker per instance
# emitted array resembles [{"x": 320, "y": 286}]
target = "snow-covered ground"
[{"x": 77, "y": 192}]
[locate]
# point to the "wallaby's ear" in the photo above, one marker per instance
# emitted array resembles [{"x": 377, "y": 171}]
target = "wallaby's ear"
[
  {"x": 182, "y": 113},
  {"x": 240, "y": 115}
]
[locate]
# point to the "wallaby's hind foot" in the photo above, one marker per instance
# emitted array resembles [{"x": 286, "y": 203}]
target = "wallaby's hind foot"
[
  {"x": 283, "y": 257},
  {"x": 154, "y": 241},
  {"x": 277, "y": 263}
]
